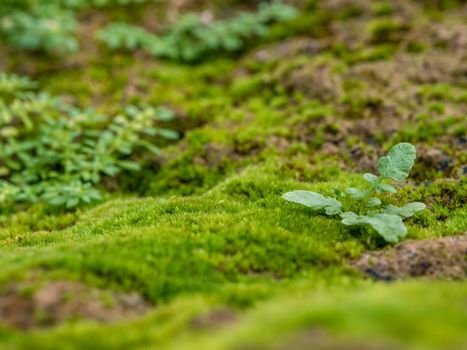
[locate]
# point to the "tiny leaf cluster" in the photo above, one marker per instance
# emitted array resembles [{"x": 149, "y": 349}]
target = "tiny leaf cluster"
[
  {"x": 55, "y": 153},
  {"x": 51, "y": 27},
  {"x": 191, "y": 38},
  {"x": 387, "y": 220},
  {"x": 48, "y": 26},
  {"x": 40, "y": 25}
]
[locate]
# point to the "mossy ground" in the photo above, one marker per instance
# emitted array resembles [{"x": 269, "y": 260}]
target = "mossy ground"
[{"x": 203, "y": 227}]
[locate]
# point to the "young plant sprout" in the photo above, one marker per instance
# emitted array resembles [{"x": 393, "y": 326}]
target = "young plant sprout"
[{"x": 387, "y": 220}]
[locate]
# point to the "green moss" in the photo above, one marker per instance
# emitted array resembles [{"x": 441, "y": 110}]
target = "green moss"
[
  {"x": 364, "y": 53},
  {"x": 442, "y": 5},
  {"x": 36, "y": 218},
  {"x": 245, "y": 86},
  {"x": 313, "y": 23},
  {"x": 185, "y": 245},
  {"x": 216, "y": 233},
  {"x": 383, "y": 8},
  {"x": 386, "y": 30},
  {"x": 427, "y": 127},
  {"x": 444, "y": 92}
]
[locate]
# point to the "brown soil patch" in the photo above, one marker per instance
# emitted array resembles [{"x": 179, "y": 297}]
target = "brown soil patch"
[
  {"x": 434, "y": 158},
  {"x": 288, "y": 48},
  {"x": 24, "y": 306},
  {"x": 316, "y": 80},
  {"x": 215, "y": 155},
  {"x": 437, "y": 258}
]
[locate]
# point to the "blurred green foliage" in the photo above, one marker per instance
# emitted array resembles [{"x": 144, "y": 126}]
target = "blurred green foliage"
[
  {"x": 48, "y": 26},
  {"x": 51, "y": 27},
  {"x": 191, "y": 38},
  {"x": 53, "y": 152},
  {"x": 35, "y": 25}
]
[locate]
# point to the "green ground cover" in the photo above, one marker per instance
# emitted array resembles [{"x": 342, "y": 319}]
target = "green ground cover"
[{"x": 201, "y": 232}]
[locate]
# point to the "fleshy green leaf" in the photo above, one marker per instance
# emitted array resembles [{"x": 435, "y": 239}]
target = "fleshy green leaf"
[
  {"x": 164, "y": 114},
  {"x": 355, "y": 193},
  {"x": 397, "y": 164},
  {"x": 390, "y": 227},
  {"x": 370, "y": 177},
  {"x": 385, "y": 188},
  {"x": 125, "y": 164},
  {"x": 315, "y": 201},
  {"x": 373, "y": 202},
  {"x": 168, "y": 134},
  {"x": 406, "y": 211},
  {"x": 333, "y": 210},
  {"x": 72, "y": 202}
]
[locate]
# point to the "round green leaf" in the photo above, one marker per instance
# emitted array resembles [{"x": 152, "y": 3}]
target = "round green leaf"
[
  {"x": 406, "y": 211},
  {"x": 370, "y": 177},
  {"x": 315, "y": 201},
  {"x": 397, "y": 164}
]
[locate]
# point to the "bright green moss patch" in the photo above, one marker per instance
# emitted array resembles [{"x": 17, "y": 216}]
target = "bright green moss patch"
[
  {"x": 241, "y": 230},
  {"x": 220, "y": 239}
]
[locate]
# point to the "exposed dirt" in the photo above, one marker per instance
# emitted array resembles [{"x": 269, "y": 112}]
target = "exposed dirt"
[
  {"x": 316, "y": 81},
  {"x": 214, "y": 155},
  {"x": 25, "y": 306},
  {"x": 436, "y": 258},
  {"x": 434, "y": 158},
  {"x": 289, "y": 48}
]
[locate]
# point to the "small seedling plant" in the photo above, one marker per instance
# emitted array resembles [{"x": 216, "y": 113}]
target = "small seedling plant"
[{"x": 385, "y": 220}]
